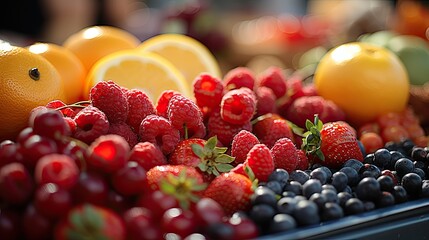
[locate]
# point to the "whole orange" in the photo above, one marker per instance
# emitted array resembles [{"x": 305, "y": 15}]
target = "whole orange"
[
  {"x": 27, "y": 80},
  {"x": 364, "y": 80},
  {"x": 92, "y": 43},
  {"x": 68, "y": 66}
]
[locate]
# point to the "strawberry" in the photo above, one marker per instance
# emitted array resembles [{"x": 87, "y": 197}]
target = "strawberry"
[
  {"x": 271, "y": 127},
  {"x": 285, "y": 154},
  {"x": 204, "y": 155},
  {"x": 260, "y": 160},
  {"x": 91, "y": 222},
  {"x": 331, "y": 144},
  {"x": 232, "y": 191},
  {"x": 185, "y": 183}
]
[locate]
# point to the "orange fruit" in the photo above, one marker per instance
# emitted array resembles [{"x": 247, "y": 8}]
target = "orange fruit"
[
  {"x": 92, "y": 43},
  {"x": 68, "y": 66},
  {"x": 27, "y": 80},
  {"x": 364, "y": 80}
]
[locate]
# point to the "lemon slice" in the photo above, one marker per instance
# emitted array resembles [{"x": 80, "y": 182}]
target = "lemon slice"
[
  {"x": 145, "y": 71},
  {"x": 190, "y": 56}
]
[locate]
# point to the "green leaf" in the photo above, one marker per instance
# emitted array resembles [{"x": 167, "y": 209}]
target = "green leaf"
[
  {"x": 215, "y": 172},
  {"x": 224, "y": 167},
  {"x": 198, "y": 187},
  {"x": 77, "y": 222},
  {"x": 308, "y": 124},
  {"x": 219, "y": 150},
  {"x": 91, "y": 218},
  {"x": 166, "y": 187},
  {"x": 73, "y": 234},
  {"x": 248, "y": 170},
  {"x": 198, "y": 150},
  {"x": 224, "y": 158},
  {"x": 320, "y": 155},
  {"x": 295, "y": 129},
  {"x": 202, "y": 166},
  {"x": 211, "y": 143}
]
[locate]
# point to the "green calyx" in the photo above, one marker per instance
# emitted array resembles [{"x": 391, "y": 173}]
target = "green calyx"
[
  {"x": 214, "y": 160},
  {"x": 312, "y": 140},
  {"x": 86, "y": 224},
  {"x": 182, "y": 187}
]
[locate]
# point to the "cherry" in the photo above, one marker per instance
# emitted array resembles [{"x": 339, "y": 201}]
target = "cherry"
[
  {"x": 16, "y": 184},
  {"x": 57, "y": 168},
  {"x": 130, "y": 179},
  {"x": 9, "y": 152},
  {"x": 92, "y": 188},
  {"x": 243, "y": 227},
  {"x": 208, "y": 211},
  {"x": 35, "y": 226},
  {"x": 76, "y": 150},
  {"x": 178, "y": 221},
  {"x": 25, "y": 134},
  {"x": 52, "y": 201},
  {"x": 36, "y": 147},
  {"x": 141, "y": 224},
  {"x": 9, "y": 225},
  {"x": 50, "y": 124},
  {"x": 158, "y": 202},
  {"x": 117, "y": 202}
]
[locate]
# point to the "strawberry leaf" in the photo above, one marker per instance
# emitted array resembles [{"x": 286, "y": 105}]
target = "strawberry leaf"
[
  {"x": 198, "y": 150},
  {"x": 225, "y": 158},
  {"x": 91, "y": 218},
  {"x": 223, "y": 167},
  {"x": 210, "y": 144}
]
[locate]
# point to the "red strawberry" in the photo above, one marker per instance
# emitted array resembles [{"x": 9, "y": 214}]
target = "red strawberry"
[
  {"x": 271, "y": 127},
  {"x": 91, "y": 222},
  {"x": 241, "y": 145},
  {"x": 232, "y": 191},
  {"x": 331, "y": 144},
  {"x": 260, "y": 160},
  {"x": 285, "y": 154}
]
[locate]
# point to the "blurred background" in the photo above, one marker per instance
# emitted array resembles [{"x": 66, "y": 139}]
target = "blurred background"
[{"x": 254, "y": 33}]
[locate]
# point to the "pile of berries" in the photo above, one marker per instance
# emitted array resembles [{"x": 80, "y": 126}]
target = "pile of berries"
[{"x": 227, "y": 164}]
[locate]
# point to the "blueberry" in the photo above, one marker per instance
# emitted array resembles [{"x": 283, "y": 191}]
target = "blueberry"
[
  {"x": 319, "y": 174},
  {"x": 419, "y": 154},
  {"x": 318, "y": 199},
  {"x": 299, "y": 176},
  {"x": 300, "y": 198},
  {"x": 294, "y": 186},
  {"x": 425, "y": 189},
  {"x": 263, "y": 195},
  {"x": 368, "y": 206},
  {"x": 310, "y": 187},
  {"x": 306, "y": 213},
  {"x": 407, "y": 145},
  {"x": 348, "y": 189},
  {"x": 286, "y": 205},
  {"x": 288, "y": 194},
  {"x": 419, "y": 164},
  {"x": 331, "y": 211},
  {"x": 386, "y": 199},
  {"x": 275, "y": 186},
  {"x": 217, "y": 231},
  {"x": 412, "y": 183},
  {"x": 400, "y": 194},
  {"x": 368, "y": 159},
  {"x": 352, "y": 175},
  {"x": 395, "y": 156},
  {"x": 392, "y": 146},
  {"x": 369, "y": 170},
  {"x": 280, "y": 175},
  {"x": 331, "y": 195},
  {"x": 339, "y": 181},
  {"x": 368, "y": 189},
  {"x": 353, "y": 206},
  {"x": 343, "y": 197},
  {"x": 382, "y": 158},
  {"x": 281, "y": 222},
  {"x": 329, "y": 186},
  {"x": 353, "y": 163},
  {"x": 404, "y": 166},
  {"x": 327, "y": 171},
  {"x": 420, "y": 172},
  {"x": 386, "y": 183},
  {"x": 262, "y": 213}
]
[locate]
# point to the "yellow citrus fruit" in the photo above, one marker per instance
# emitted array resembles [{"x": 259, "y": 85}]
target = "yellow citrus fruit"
[
  {"x": 190, "y": 56},
  {"x": 92, "y": 43},
  {"x": 145, "y": 71},
  {"x": 364, "y": 80},
  {"x": 27, "y": 80},
  {"x": 68, "y": 66}
]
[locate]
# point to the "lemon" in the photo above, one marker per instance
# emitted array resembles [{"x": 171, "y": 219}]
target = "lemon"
[
  {"x": 132, "y": 69},
  {"x": 190, "y": 56}
]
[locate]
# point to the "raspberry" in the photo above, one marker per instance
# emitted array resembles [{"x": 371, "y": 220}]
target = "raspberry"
[
  {"x": 109, "y": 98},
  {"x": 302, "y": 160},
  {"x": 241, "y": 144},
  {"x": 285, "y": 154},
  {"x": 163, "y": 100},
  {"x": 184, "y": 114},
  {"x": 271, "y": 127},
  {"x": 266, "y": 101},
  {"x": 158, "y": 130},
  {"x": 208, "y": 91},
  {"x": 238, "y": 106},
  {"x": 91, "y": 123},
  {"x": 147, "y": 155},
  {"x": 139, "y": 106},
  {"x": 239, "y": 77},
  {"x": 274, "y": 78},
  {"x": 66, "y": 111},
  {"x": 239, "y": 169},
  {"x": 124, "y": 130},
  {"x": 71, "y": 124},
  {"x": 224, "y": 131},
  {"x": 260, "y": 160}
]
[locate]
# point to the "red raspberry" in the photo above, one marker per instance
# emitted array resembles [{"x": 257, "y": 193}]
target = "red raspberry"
[
  {"x": 285, "y": 154},
  {"x": 184, "y": 115},
  {"x": 266, "y": 101},
  {"x": 109, "y": 98},
  {"x": 208, "y": 91},
  {"x": 158, "y": 130},
  {"x": 66, "y": 111},
  {"x": 163, "y": 100},
  {"x": 224, "y": 131},
  {"x": 271, "y": 127},
  {"x": 239, "y": 169},
  {"x": 238, "y": 106},
  {"x": 91, "y": 123},
  {"x": 139, "y": 106},
  {"x": 147, "y": 155},
  {"x": 124, "y": 130},
  {"x": 71, "y": 124},
  {"x": 302, "y": 160},
  {"x": 274, "y": 78},
  {"x": 239, "y": 77},
  {"x": 260, "y": 160},
  {"x": 241, "y": 144}
]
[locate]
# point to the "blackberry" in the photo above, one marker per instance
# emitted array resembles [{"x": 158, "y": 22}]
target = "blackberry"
[
  {"x": 404, "y": 166},
  {"x": 386, "y": 183},
  {"x": 299, "y": 176},
  {"x": 395, "y": 156},
  {"x": 369, "y": 170},
  {"x": 353, "y": 163},
  {"x": 339, "y": 181},
  {"x": 331, "y": 211},
  {"x": 353, "y": 206},
  {"x": 400, "y": 194},
  {"x": 286, "y": 205},
  {"x": 412, "y": 183},
  {"x": 343, "y": 197},
  {"x": 319, "y": 174},
  {"x": 263, "y": 195},
  {"x": 275, "y": 186},
  {"x": 279, "y": 175},
  {"x": 352, "y": 175},
  {"x": 294, "y": 186},
  {"x": 310, "y": 187},
  {"x": 306, "y": 213},
  {"x": 382, "y": 158},
  {"x": 281, "y": 222},
  {"x": 419, "y": 154},
  {"x": 386, "y": 199},
  {"x": 368, "y": 189}
]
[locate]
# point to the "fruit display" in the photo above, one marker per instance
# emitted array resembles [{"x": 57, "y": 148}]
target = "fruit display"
[{"x": 155, "y": 142}]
